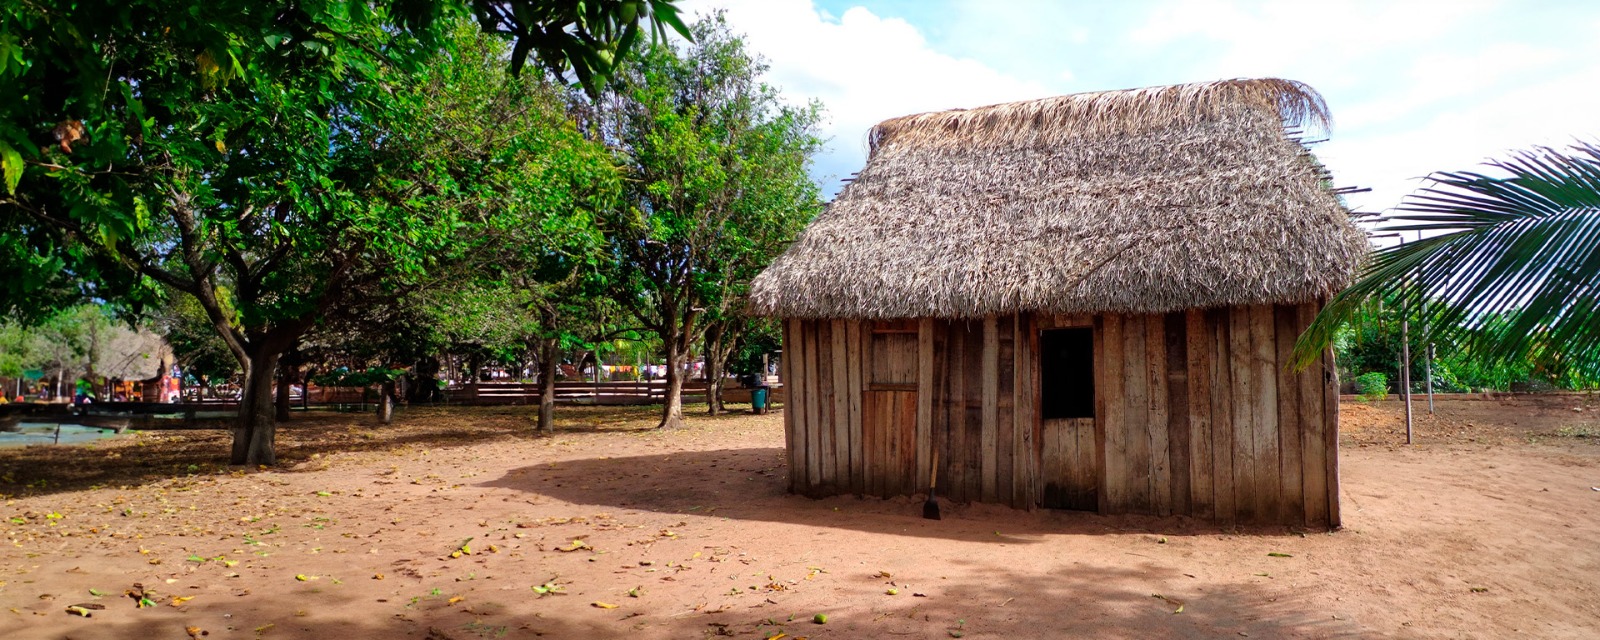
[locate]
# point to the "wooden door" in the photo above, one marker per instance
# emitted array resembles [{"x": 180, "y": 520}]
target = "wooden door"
[
  {"x": 1067, "y": 449},
  {"x": 1067, "y": 464},
  {"x": 889, "y": 408}
]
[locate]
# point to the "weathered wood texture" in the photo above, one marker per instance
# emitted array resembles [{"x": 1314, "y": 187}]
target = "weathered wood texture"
[
  {"x": 1196, "y": 414},
  {"x": 1201, "y": 415},
  {"x": 1067, "y": 458}
]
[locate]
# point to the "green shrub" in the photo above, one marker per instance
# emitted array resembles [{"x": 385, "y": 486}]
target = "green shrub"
[{"x": 1373, "y": 385}]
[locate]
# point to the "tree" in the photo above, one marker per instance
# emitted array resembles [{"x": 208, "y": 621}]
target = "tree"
[
  {"x": 586, "y": 36},
  {"x": 63, "y": 345},
  {"x": 717, "y": 185},
  {"x": 1507, "y": 267},
  {"x": 275, "y": 160}
]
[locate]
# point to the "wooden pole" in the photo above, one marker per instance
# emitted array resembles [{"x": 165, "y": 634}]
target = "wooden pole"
[
  {"x": 1428, "y": 364},
  {"x": 1405, "y": 371},
  {"x": 1405, "y": 358}
]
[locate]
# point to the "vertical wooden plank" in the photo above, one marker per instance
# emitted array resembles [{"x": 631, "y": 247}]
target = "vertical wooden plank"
[
  {"x": 1114, "y": 490},
  {"x": 1097, "y": 436},
  {"x": 1197, "y": 363},
  {"x": 1155, "y": 349},
  {"x": 1313, "y": 454},
  {"x": 990, "y": 424},
  {"x": 872, "y": 421},
  {"x": 840, "y": 368},
  {"x": 955, "y": 416},
  {"x": 1053, "y": 469},
  {"x": 972, "y": 404},
  {"x": 925, "y": 395},
  {"x": 1005, "y": 422},
  {"x": 1265, "y": 411},
  {"x": 790, "y": 406},
  {"x": 1136, "y": 419},
  {"x": 871, "y": 417},
  {"x": 1246, "y": 501},
  {"x": 909, "y": 484},
  {"x": 1330, "y": 435},
  {"x": 1024, "y": 392},
  {"x": 854, "y": 387},
  {"x": 826, "y": 417},
  {"x": 808, "y": 351},
  {"x": 1086, "y": 475},
  {"x": 940, "y": 423},
  {"x": 1178, "y": 452},
  {"x": 1224, "y": 499},
  {"x": 1291, "y": 496}
]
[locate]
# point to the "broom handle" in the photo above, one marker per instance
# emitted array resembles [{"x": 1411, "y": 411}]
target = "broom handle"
[{"x": 933, "y": 480}]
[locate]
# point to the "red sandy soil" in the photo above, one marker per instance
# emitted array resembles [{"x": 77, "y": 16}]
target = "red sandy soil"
[{"x": 1487, "y": 528}]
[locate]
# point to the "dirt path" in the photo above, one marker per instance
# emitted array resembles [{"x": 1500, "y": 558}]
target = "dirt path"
[{"x": 690, "y": 534}]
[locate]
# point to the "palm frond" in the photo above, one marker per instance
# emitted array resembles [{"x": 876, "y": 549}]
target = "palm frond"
[{"x": 1507, "y": 266}]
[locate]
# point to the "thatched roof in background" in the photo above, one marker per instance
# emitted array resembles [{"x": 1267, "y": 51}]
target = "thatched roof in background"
[
  {"x": 1139, "y": 201},
  {"x": 129, "y": 354}
]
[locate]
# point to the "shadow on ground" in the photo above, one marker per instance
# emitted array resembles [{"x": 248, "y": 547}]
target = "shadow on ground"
[
  {"x": 751, "y": 484},
  {"x": 152, "y": 456},
  {"x": 1091, "y": 602}
]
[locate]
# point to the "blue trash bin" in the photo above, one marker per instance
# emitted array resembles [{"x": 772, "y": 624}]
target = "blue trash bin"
[{"x": 758, "y": 399}]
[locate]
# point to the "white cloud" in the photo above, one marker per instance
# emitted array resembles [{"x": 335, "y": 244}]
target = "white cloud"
[
  {"x": 1414, "y": 87},
  {"x": 863, "y": 67}
]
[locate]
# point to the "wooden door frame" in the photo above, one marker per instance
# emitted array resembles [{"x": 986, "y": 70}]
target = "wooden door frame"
[{"x": 1037, "y": 324}]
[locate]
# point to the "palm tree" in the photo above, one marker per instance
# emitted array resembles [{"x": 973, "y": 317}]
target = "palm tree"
[{"x": 1507, "y": 266}]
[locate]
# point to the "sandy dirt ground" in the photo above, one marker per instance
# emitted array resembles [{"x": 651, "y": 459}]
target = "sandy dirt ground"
[{"x": 457, "y": 524}]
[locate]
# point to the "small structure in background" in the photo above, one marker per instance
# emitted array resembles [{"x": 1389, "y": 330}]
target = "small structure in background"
[{"x": 1083, "y": 302}]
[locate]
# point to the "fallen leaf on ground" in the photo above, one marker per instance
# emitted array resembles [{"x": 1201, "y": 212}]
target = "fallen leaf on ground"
[
  {"x": 602, "y": 605},
  {"x": 574, "y": 546}
]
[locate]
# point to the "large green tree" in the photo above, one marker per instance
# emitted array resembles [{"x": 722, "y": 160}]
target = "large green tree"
[
  {"x": 717, "y": 166},
  {"x": 270, "y": 160},
  {"x": 1506, "y": 267}
]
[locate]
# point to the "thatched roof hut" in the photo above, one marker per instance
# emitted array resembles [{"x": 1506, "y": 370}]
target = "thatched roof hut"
[
  {"x": 1081, "y": 302},
  {"x": 1139, "y": 201}
]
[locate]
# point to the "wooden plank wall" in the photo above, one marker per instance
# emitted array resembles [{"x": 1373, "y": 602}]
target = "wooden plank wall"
[
  {"x": 980, "y": 410},
  {"x": 1211, "y": 422},
  {"x": 1196, "y": 413}
]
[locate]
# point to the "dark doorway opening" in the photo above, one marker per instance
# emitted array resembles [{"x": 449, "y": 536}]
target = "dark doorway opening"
[{"x": 1066, "y": 373}]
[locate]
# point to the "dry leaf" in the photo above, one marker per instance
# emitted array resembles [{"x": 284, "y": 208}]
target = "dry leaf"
[{"x": 602, "y": 605}]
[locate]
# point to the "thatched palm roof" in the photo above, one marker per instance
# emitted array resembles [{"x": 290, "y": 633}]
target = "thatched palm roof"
[{"x": 1139, "y": 201}]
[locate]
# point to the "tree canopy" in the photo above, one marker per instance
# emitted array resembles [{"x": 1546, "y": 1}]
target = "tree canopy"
[
  {"x": 717, "y": 185},
  {"x": 272, "y": 161}
]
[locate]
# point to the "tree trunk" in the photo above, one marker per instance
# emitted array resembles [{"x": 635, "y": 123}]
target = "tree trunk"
[
  {"x": 714, "y": 360},
  {"x": 716, "y": 377},
  {"x": 287, "y": 368},
  {"x": 547, "y": 386},
  {"x": 672, "y": 411},
  {"x": 253, "y": 436}
]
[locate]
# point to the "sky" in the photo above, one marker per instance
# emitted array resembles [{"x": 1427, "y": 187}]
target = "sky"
[{"x": 1414, "y": 86}]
